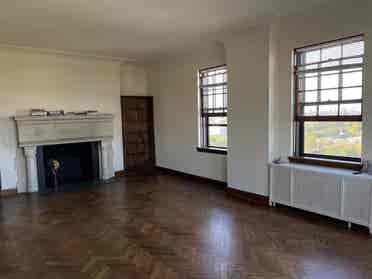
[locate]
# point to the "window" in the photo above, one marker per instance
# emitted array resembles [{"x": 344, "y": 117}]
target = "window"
[
  {"x": 213, "y": 109},
  {"x": 328, "y": 99}
]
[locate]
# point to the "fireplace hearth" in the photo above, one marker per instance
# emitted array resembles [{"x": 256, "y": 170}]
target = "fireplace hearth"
[{"x": 66, "y": 166}]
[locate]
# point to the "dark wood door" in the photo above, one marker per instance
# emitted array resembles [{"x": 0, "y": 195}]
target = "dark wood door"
[{"x": 138, "y": 134}]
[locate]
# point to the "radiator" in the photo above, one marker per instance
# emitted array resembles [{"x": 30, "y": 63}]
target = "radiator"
[{"x": 331, "y": 192}]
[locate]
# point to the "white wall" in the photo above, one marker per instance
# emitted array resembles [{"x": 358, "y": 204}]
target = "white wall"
[
  {"x": 32, "y": 80},
  {"x": 247, "y": 60},
  {"x": 173, "y": 82},
  {"x": 133, "y": 79},
  {"x": 260, "y": 87},
  {"x": 315, "y": 27},
  {"x": 260, "y": 95}
]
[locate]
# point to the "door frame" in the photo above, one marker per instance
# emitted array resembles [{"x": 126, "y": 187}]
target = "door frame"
[{"x": 152, "y": 131}]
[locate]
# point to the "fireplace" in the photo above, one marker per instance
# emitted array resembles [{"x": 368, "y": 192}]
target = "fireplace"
[
  {"x": 81, "y": 144},
  {"x": 78, "y": 164}
]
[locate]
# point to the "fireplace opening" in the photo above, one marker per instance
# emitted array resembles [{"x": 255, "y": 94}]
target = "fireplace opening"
[{"x": 64, "y": 166}]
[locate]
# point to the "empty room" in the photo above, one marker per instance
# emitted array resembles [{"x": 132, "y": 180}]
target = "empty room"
[{"x": 171, "y": 139}]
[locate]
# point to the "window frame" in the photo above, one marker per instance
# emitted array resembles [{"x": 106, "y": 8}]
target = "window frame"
[
  {"x": 299, "y": 154},
  {"x": 203, "y": 124}
]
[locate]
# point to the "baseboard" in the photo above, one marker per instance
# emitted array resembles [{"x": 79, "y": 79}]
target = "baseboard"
[
  {"x": 120, "y": 173},
  {"x": 8, "y": 192},
  {"x": 249, "y": 197},
  {"x": 192, "y": 176}
]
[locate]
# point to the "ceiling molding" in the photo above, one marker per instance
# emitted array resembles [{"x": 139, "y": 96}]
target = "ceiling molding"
[{"x": 67, "y": 53}]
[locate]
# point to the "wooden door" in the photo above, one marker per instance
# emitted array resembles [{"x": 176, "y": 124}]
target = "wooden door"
[{"x": 138, "y": 133}]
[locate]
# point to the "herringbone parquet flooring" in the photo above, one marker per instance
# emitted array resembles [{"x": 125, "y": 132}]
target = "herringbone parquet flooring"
[{"x": 170, "y": 227}]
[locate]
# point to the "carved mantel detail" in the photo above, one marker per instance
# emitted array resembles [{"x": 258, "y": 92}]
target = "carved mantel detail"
[{"x": 39, "y": 131}]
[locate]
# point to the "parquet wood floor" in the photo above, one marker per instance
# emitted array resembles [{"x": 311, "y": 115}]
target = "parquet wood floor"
[{"x": 170, "y": 227}]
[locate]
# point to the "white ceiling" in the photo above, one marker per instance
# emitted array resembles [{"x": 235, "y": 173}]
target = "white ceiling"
[{"x": 135, "y": 29}]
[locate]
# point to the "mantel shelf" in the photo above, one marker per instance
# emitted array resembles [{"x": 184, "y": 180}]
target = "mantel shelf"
[{"x": 64, "y": 117}]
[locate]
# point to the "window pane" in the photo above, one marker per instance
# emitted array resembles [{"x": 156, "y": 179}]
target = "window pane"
[
  {"x": 309, "y": 110},
  {"x": 217, "y": 136},
  {"x": 219, "y": 79},
  {"x": 210, "y": 102},
  {"x": 353, "y": 49},
  {"x": 309, "y": 67},
  {"x": 218, "y": 90},
  {"x": 329, "y": 95},
  {"x": 351, "y": 109},
  {"x": 325, "y": 110},
  {"x": 333, "y": 138},
  {"x": 330, "y": 64},
  {"x": 219, "y": 101},
  {"x": 218, "y": 120},
  {"x": 331, "y": 53},
  {"x": 352, "y": 79},
  {"x": 311, "y": 83},
  {"x": 312, "y": 56},
  {"x": 352, "y": 70},
  {"x": 352, "y": 93},
  {"x": 311, "y": 96},
  {"x": 330, "y": 81},
  {"x": 352, "y": 61}
]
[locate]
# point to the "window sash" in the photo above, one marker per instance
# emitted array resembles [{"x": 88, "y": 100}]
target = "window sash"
[
  {"x": 338, "y": 95},
  {"x": 205, "y": 126},
  {"x": 332, "y": 43},
  {"x": 300, "y": 143},
  {"x": 214, "y": 99},
  {"x": 213, "y": 92},
  {"x": 318, "y": 74}
]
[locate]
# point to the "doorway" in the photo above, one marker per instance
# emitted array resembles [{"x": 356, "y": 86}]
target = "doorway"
[{"x": 138, "y": 134}]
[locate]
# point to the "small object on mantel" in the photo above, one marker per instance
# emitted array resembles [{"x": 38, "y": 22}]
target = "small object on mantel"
[
  {"x": 38, "y": 112},
  {"x": 277, "y": 160},
  {"x": 92, "y": 112},
  {"x": 86, "y": 112},
  {"x": 56, "y": 113}
]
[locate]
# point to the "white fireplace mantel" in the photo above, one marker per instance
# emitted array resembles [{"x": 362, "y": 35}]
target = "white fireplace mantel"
[{"x": 50, "y": 130}]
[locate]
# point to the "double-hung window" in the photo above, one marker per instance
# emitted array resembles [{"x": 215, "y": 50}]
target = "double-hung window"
[
  {"x": 328, "y": 99},
  {"x": 213, "y": 90}
]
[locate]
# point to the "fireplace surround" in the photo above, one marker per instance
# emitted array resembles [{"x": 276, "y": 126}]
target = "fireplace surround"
[{"x": 36, "y": 132}]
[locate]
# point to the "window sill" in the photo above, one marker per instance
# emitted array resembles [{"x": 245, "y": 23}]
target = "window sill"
[
  {"x": 212, "y": 150},
  {"x": 355, "y": 166}
]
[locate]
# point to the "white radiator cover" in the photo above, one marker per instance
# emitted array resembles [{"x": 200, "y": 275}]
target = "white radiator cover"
[{"x": 332, "y": 192}]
